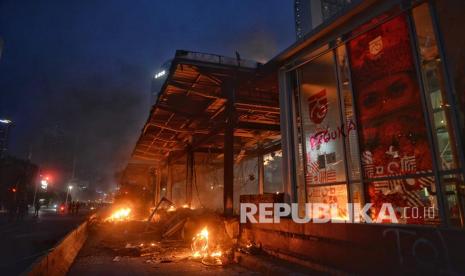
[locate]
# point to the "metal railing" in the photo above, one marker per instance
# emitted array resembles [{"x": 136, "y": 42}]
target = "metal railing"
[{"x": 218, "y": 59}]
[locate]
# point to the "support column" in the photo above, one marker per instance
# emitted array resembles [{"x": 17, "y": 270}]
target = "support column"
[
  {"x": 158, "y": 185},
  {"x": 190, "y": 176},
  {"x": 152, "y": 178},
  {"x": 169, "y": 182},
  {"x": 261, "y": 174},
  {"x": 261, "y": 170},
  {"x": 288, "y": 139},
  {"x": 228, "y": 177}
]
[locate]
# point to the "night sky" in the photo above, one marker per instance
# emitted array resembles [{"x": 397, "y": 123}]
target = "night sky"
[{"x": 81, "y": 70}]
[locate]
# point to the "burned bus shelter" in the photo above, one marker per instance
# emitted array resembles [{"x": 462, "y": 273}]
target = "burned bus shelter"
[
  {"x": 212, "y": 134},
  {"x": 370, "y": 111}
]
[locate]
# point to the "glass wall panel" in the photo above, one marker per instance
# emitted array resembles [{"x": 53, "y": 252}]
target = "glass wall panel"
[
  {"x": 451, "y": 26},
  {"x": 454, "y": 189},
  {"x": 433, "y": 80},
  {"x": 245, "y": 179},
  {"x": 300, "y": 161},
  {"x": 208, "y": 181},
  {"x": 323, "y": 133},
  {"x": 352, "y": 149},
  {"x": 440, "y": 112},
  {"x": 179, "y": 182},
  {"x": 332, "y": 194},
  {"x": 392, "y": 131},
  {"x": 322, "y": 128},
  {"x": 273, "y": 172}
]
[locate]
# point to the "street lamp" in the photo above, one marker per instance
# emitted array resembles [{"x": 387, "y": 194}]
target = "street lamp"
[
  {"x": 5, "y": 121},
  {"x": 43, "y": 184},
  {"x": 67, "y": 194}
]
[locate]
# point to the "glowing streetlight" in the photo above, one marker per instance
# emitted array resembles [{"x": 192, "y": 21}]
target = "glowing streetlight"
[
  {"x": 5, "y": 121},
  {"x": 44, "y": 184},
  {"x": 159, "y": 74},
  {"x": 7, "y": 124},
  {"x": 67, "y": 194}
]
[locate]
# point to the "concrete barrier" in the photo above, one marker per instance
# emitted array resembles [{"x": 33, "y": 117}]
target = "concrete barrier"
[{"x": 61, "y": 257}]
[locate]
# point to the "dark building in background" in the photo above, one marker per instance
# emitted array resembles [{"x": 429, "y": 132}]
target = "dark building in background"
[
  {"x": 5, "y": 126},
  {"x": 311, "y": 13},
  {"x": 17, "y": 179}
]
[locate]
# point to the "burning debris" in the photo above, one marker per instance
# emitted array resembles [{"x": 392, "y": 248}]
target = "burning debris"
[
  {"x": 170, "y": 235},
  {"x": 200, "y": 244},
  {"x": 201, "y": 250},
  {"x": 122, "y": 214}
]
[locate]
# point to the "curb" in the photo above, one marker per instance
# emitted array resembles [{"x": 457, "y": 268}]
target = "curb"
[{"x": 61, "y": 257}]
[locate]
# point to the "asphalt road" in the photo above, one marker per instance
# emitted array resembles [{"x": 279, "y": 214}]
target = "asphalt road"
[{"x": 22, "y": 242}]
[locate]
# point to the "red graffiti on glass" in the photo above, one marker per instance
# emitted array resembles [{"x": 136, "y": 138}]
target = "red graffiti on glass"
[
  {"x": 318, "y": 106},
  {"x": 324, "y": 136}
]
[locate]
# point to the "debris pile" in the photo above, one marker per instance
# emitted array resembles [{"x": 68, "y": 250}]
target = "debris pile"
[{"x": 171, "y": 234}]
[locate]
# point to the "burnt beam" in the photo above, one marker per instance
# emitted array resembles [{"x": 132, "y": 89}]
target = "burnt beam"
[
  {"x": 257, "y": 126},
  {"x": 192, "y": 90},
  {"x": 189, "y": 175},
  {"x": 168, "y": 108},
  {"x": 261, "y": 170},
  {"x": 186, "y": 130},
  {"x": 228, "y": 177}
]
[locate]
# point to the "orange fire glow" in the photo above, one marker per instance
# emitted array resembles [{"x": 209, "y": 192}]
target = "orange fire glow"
[
  {"x": 200, "y": 246},
  {"x": 122, "y": 214}
]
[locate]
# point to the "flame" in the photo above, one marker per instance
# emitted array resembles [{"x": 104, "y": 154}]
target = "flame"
[
  {"x": 171, "y": 208},
  {"x": 200, "y": 246},
  {"x": 216, "y": 254},
  {"x": 120, "y": 215},
  {"x": 186, "y": 206}
]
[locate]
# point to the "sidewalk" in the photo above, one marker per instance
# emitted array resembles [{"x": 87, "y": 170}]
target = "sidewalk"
[
  {"x": 127, "y": 248},
  {"x": 119, "y": 250}
]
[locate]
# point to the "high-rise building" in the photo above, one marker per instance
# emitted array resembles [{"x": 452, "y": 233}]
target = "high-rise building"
[
  {"x": 5, "y": 125},
  {"x": 1, "y": 47},
  {"x": 311, "y": 13}
]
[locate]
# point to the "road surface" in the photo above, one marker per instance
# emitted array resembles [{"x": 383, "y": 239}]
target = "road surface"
[{"x": 22, "y": 242}]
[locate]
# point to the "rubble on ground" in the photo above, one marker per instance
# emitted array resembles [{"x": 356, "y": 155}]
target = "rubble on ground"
[{"x": 168, "y": 238}]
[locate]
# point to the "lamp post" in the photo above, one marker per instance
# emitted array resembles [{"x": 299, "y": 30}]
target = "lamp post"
[
  {"x": 43, "y": 184},
  {"x": 67, "y": 194}
]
